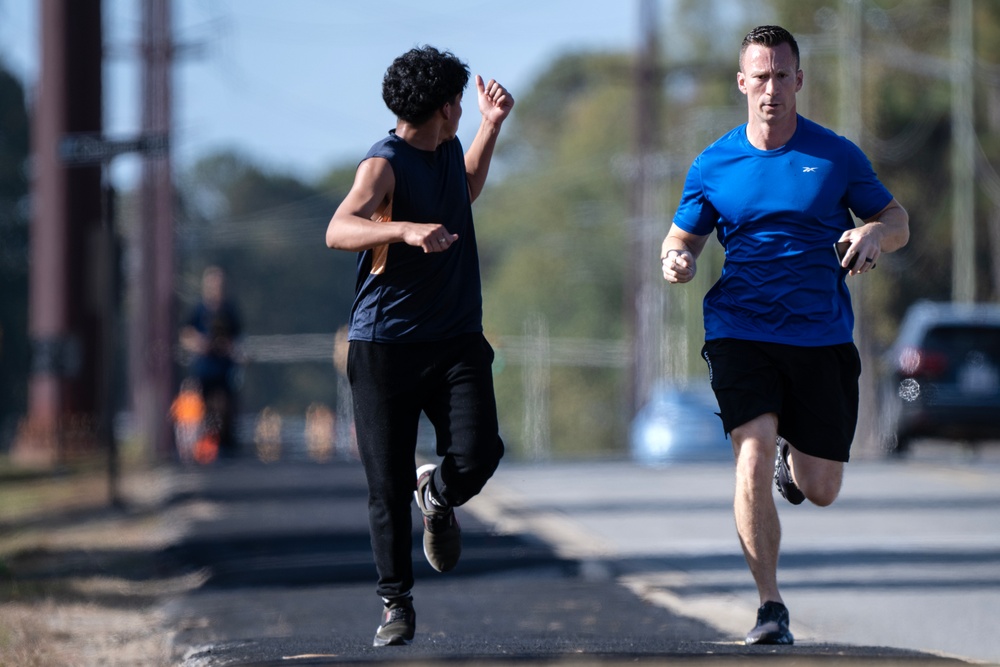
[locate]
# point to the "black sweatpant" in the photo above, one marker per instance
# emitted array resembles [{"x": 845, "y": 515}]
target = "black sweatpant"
[{"x": 450, "y": 381}]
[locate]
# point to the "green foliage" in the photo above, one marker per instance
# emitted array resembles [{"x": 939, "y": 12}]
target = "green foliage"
[
  {"x": 553, "y": 235},
  {"x": 267, "y": 231},
  {"x": 557, "y": 220},
  {"x": 541, "y": 112}
]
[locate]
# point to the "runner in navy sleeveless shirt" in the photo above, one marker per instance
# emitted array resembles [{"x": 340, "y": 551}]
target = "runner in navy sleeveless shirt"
[{"x": 416, "y": 332}]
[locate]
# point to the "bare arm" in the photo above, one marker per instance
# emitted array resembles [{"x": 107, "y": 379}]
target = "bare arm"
[
  {"x": 679, "y": 254},
  {"x": 886, "y": 231},
  {"x": 495, "y": 104},
  {"x": 352, "y": 228}
]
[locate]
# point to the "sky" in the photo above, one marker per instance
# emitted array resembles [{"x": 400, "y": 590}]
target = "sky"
[{"x": 296, "y": 84}]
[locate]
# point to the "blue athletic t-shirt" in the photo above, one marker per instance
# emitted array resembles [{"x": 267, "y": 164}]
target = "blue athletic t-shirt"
[
  {"x": 422, "y": 297},
  {"x": 777, "y": 214}
]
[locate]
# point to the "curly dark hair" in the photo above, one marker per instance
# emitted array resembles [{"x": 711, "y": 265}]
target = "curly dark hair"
[
  {"x": 421, "y": 81},
  {"x": 771, "y": 36}
]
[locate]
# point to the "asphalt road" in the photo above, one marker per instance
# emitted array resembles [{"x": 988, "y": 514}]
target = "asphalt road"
[
  {"x": 908, "y": 557},
  {"x": 586, "y": 563}
]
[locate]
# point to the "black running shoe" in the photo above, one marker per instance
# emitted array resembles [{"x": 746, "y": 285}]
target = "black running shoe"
[
  {"x": 772, "y": 625},
  {"x": 442, "y": 534},
  {"x": 783, "y": 476},
  {"x": 399, "y": 622}
]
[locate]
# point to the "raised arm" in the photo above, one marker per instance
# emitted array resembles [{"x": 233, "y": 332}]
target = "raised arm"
[{"x": 495, "y": 104}]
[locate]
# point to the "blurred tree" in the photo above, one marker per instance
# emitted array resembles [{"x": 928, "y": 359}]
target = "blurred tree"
[
  {"x": 552, "y": 238},
  {"x": 14, "y": 135},
  {"x": 266, "y": 230}
]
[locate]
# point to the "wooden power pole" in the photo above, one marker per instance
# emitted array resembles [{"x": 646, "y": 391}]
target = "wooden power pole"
[
  {"x": 963, "y": 170},
  {"x": 153, "y": 324},
  {"x": 65, "y": 307},
  {"x": 645, "y": 298}
]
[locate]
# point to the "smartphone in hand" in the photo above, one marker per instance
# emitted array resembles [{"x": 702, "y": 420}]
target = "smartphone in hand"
[{"x": 840, "y": 248}]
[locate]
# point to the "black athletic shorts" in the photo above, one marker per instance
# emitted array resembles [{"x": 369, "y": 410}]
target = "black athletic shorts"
[{"x": 813, "y": 390}]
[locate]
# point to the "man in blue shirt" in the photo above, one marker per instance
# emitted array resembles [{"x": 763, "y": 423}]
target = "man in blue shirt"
[
  {"x": 778, "y": 192},
  {"x": 416, "y": 331}
]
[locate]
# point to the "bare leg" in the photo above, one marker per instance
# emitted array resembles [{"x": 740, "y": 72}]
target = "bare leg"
[
  {"x": 756, "y": 516},
  {"x": 819, "y": 479}
]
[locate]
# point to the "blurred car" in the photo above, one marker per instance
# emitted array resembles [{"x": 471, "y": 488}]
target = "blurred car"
[
  {"x": 679, "y": 424},
  {"x": 942, "y": 375}
]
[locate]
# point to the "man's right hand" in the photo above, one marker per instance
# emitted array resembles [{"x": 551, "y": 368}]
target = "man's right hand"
[{"x": 679, "y": 266}]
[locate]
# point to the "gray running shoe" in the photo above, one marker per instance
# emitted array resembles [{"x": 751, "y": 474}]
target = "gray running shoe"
[
  {"x": 783, "y": 476},
  {"x": 442, "y": 534},
  {"x": 772, "y": 625},
  {"x": 399, "y": 622}
]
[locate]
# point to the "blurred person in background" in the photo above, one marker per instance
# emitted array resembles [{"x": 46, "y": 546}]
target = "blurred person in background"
[
  {"x": 778, "y": 192},
  {"x": 211, "y": 335},
  {"x": 416, "y": 332}
]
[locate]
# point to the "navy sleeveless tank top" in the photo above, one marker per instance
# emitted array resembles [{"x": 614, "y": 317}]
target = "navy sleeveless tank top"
[{"x": 420, "y": 297}]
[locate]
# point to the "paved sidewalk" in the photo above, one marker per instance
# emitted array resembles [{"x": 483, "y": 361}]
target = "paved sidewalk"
[{"x": 288, "y": 579}]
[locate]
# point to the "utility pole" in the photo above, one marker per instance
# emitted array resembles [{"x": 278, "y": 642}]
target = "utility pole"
[
  {"x": 645, "y": 297},
  {"x": 849, "y": 111},
  {"x": 65, "y": 297},
  {"x": 153, "y": 326},
  {"x": 850, "y": 118},
  {"x": 963, "y": 254}
]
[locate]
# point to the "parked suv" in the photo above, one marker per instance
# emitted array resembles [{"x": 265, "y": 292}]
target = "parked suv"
[{"x": 943, "y": 375}]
